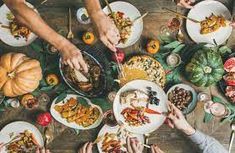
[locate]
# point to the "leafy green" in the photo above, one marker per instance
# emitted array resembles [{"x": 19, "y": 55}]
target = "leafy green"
[
  {"x": 82, "y": 101},
  {"x": 208, "y": 117},
  {"x": 61, "y": 97},
  {"x": 172, "y": 45}
]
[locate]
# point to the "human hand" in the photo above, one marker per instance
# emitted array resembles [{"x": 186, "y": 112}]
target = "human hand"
[
  {"x": 1, "y": 146},
  {"x": 156, "y": 149},
  {"x": 134, "y": 146},
  {"x": 87, "y": 148},
  {"x": 107, "y": 30},
  {"x": 72, "y": 56},
  {"x": 185, "y": 3},
  {"x": 42, "y": 150},
  {"x": 177, "y": 120},
  {"x": 233, "y": 24}
]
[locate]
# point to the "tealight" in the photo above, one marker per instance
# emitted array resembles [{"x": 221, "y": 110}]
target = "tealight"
[
  {"x": 82, "y": 16},
  {"x": 173, "y": 60}
]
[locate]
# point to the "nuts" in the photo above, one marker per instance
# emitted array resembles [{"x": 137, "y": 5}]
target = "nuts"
[{"x": 180, "y": 97}]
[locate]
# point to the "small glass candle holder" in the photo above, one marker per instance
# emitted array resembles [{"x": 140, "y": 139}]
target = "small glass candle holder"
[
  {"x": 110, "y": 119},
  {"x": 216, "y": 109}
]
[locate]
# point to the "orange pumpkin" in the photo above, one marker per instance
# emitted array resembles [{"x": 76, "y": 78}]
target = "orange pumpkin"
[
  {"x": 153, "y": 46},
  {"x": 19, "y": 74},
  {"x": 52, "y": 80},
  {"x": 88, "y": 38}
]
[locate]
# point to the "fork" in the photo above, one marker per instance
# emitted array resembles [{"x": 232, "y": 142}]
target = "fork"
[{"x": 70, "y": 33}]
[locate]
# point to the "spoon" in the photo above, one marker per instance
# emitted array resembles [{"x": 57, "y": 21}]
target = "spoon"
[{"x": 48, "y": 136}]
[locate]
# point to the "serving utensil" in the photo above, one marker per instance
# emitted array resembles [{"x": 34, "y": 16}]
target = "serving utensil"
[
  {"x": 140, "y": 17},
  {"x": 48, "y": 136},
  {"x": 181, "y": 15},
  {"x": 232, "y": 137},
  {"x": 12, "y": 140},
  {"x": 70, "y": 34}
]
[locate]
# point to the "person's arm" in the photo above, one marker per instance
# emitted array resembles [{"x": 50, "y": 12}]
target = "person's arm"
[
  {"x": 206, "y": 143},
  {"x": 106, "y": 28},
  {"x": 185, "y": 3},
  {"x": 27, "y": 16}
]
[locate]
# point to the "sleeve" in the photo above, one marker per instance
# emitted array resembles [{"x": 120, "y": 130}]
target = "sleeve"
[{"x": 206, "y": 143}]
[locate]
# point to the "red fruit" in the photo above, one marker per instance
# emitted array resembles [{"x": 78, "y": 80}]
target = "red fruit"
[
  {"x": 120, "y": 56},
  {"x": 229, "y": 65},
  {"x": 44, "y": 119}
]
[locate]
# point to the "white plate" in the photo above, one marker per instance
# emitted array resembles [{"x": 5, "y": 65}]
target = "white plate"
[
  {"x": 108, "y": 129},
  {"x": 193, "y": 103},
  {"x": 155, "y": 120},
  {"x": 200, "y": 12},
  {"x": 16, "y": 128},
  {"x": 5, "y": 34},
  {"x": 58, "y": 117},
  {"x": 132, "y": 12}
]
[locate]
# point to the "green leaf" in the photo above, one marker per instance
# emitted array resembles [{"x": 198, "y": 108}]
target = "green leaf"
[
  {"x": 61, "y": 97},
  {"x": 82, "y": 101},
  {"x": 36, "y": 47},
  {"x": 208, "y": 117},
  {"x": 77, "y": 131},
  {"x": 103, "y": 103},
  {"x": 178, "y": 49},
  {"x": 172, "y": 45},
  {"x": 216, "y": 99},
  {"x": 47, "y": 88},
  {"x": 43, "y": 83}
]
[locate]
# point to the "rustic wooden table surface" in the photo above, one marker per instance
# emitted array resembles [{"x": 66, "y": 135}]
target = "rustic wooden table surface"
[{"x": 66, "y": 141}]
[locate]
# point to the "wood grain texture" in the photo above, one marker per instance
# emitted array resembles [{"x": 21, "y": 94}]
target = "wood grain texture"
[{"x": 54, "y": 12}]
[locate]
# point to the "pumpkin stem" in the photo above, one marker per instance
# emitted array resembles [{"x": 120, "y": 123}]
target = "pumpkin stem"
[
  {"x": 207, "y": 69},
  {"x": 11, "y": 75}
]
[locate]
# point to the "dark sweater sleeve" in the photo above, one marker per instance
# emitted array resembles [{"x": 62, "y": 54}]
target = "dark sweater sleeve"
[{"x": 206, "y": 143}]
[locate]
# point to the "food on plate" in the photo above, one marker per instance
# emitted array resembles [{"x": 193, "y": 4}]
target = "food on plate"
[
  {"x": 17, "y": 30},
  {"x": 19, "y": 74},
  {"x": 143, "y": 67},
  {"x": 229, "y": 65},
  {"x": 212, "y": 24},
  {"x": 133, "y": 96},
  {"x": 230, "y": 79},
  {"x": 88, "y": 38},
  {"x": 205, "y": 68},
  {"x": 135, "y": 116},
  {"x": 86, "y": 82},
  {"x": 136, "y": 96},
  {"x": 123, "y": 24},
  {"x": 52, "y": 79},
  {"x": 180, "y": 97},
  {"x": 74, "y": 112},
  {"x": 153, "y": 46},
  {"x": 24, "y": 142},
  {"x": 230, "y": 93},
  {"x": 119, "y": 56},
  {"x": 29, "y": 101},
  {"x": 44, "y": 119},
  {"x": 111, "y": 144}
]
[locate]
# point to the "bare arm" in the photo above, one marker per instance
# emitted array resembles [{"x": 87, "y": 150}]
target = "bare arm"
[
  {"x": 108, "y": 32},
  {"x": 71, "y": 54}
]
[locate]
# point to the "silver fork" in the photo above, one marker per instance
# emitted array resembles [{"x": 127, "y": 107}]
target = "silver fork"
[{"x": 70, "y": 33}]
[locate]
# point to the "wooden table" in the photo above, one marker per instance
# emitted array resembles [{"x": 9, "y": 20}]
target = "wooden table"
[{"x": 66, "y": 141}]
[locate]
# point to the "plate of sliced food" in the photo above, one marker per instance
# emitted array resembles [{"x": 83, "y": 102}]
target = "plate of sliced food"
[
  {"x": 141, "y": 106},
  {"x": 227, "y": 84},
  {"x": 77, "y": 112},
  {"x": 20, "y": 136},
  {"x": 91, "y": 84},
  {"x": 183, "y": 96},
  {"x": 124, "y": 15},
  {"x": 113, "y": 139},
  {"x": 213, "y": 23},
  {"x": 143, "y": 67},
  {"x": 12, "y": 32}
]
